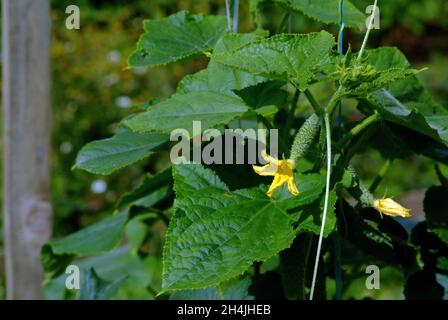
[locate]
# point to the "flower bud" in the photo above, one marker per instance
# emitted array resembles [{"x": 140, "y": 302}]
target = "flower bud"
[{"x": 389, "y": 207}]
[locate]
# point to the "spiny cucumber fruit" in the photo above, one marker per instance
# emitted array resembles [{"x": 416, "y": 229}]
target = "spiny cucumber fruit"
[{"x": 305, "y": 137}]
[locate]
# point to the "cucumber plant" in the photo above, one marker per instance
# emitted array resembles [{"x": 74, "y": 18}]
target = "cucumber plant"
[{"x": 230, "y": 234}]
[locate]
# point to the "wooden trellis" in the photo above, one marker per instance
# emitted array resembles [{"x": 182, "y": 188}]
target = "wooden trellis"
[{"x": 26, "y": 143}]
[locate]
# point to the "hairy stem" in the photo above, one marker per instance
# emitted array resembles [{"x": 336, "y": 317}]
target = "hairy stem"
[
  {"x": 162, "y": 216},
  {"x": 292, "y": 111},
  {"x": 228, "y": 15},
  {"x": 152, "y": 291},
  {"x": 327, "y": 195},
  {"x": 328, "y": 111},
  {"x": 290, "y": 23},
  {"x": 442, "y": 178},
  {"x": 316, "y": 106},
  {"x": 264, "y": 121},
  {"x": 232, "y": 27},
  {"x": 341, "y": 28},
  {"x": 366, "y": 37},
  {"x": 357, "y": 129},
  {"x": 235, "y": 16},
  {"x": 337, "y": 245},
  {"x": 283, "y": 22},
  {"x": 380, "y": 176},
  {"x": 333, "y": 103}
]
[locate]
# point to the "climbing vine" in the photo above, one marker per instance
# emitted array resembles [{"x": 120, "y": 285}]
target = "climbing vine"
[{"x": 302, "y": 211}]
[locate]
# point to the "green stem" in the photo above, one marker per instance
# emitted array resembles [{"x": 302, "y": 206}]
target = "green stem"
[
  {"x": 328, "y": 111},
  {"x": 151, "y": 290},
  {"x": 264, "y": 121},
  {"x": 236, "y": 6},
  {"x": 380, "y": 176},
  {"x": 290, "y": 23},
  {"x": 341, "y": 27},
  {"x": 442, "y": 178},
  {"x": 333, "y": 103},
  {"x": 232, "y": 18},
  {"x": 228, "y": 15},
  {"x": 292, "y": 111},
  {"x": 283, "y": 22},
  {"x": 357, "y": 129},
  {"x": 316, "y": 106},
  {"x": 162, "y": 216},
  {"x": 366, "y": 37},
  {"x": 327, "y": 195},
  {"x": 360, "y": 143},
  {"x": 335, "y": 98}
]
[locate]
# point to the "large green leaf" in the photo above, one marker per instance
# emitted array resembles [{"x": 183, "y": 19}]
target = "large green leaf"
[
  {"x": 406, "y": 102},
  {"x": 258, "y": 93},
  {"x": 283, "y": 57},
  {"x": 98, "y": 238},
  {"x": 326, "y": 11},
  {"x": 208, "y": 96},
  {"x": 217, "y": 234},
  {"x": 176, "y": 37},
  {"x": 396, "y": 141},
  {"x": 220, "y": 78},
  {"x": 436, "y": 212},
  {"x": 264, "y": 95},
  {"x": 211, "y": 108},
  {"x": 431, "y": 123},
  {"x": 126, "y": 147}
]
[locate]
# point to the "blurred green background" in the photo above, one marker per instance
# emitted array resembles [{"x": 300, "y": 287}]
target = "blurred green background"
[{"x": 93, "y": 90}]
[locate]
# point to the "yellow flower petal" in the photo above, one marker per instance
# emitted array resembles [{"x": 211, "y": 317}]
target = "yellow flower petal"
[
  {"x": 282, "y": 170},
  {"x": 389, "y": 207},
  {"x": 268, "y": 158},
  {"x": 292, "y": 187},
  {"x": 277, "y": 182},
  {"x": 267, "y": 170}
]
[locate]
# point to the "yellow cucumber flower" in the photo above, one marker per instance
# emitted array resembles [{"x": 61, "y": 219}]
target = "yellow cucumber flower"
[
  {"x": 281, "y": 170},
  {"x": 389, "y": 207}
]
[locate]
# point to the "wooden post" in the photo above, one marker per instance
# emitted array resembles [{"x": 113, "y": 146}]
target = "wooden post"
[{"x": 26, "y": 143}]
